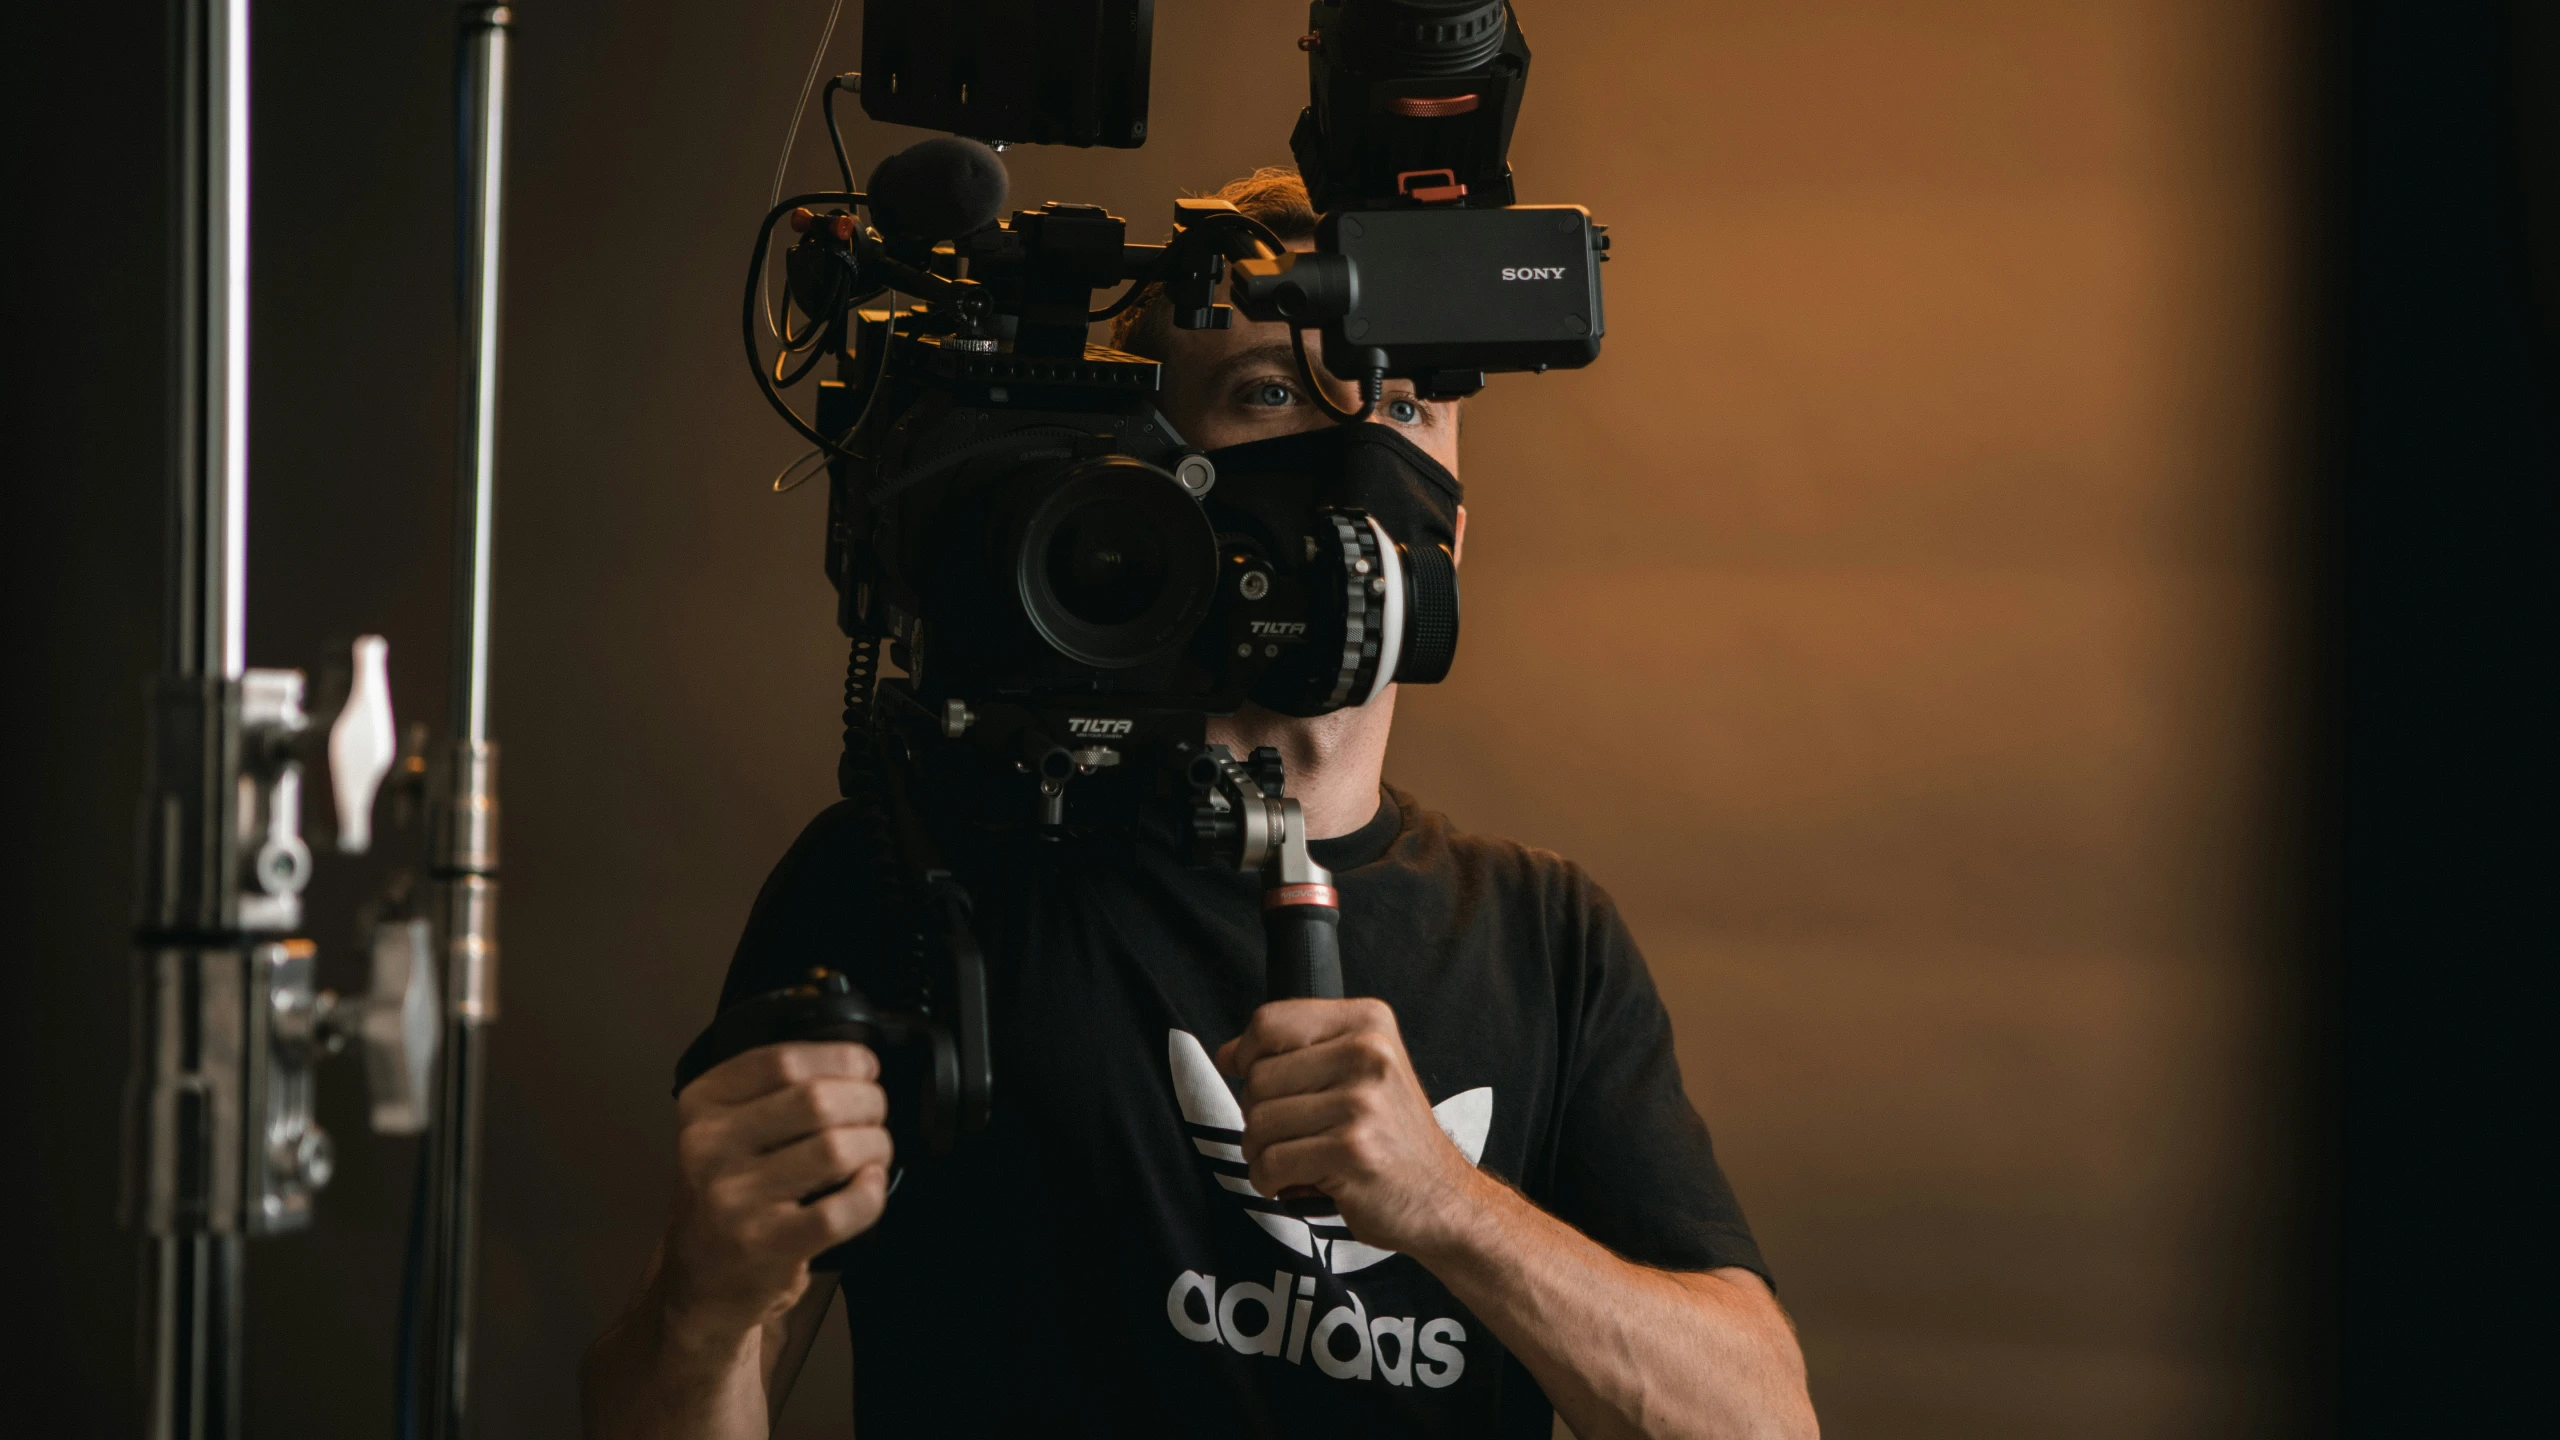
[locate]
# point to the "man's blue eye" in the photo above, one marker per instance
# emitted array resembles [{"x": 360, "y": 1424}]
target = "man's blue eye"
[
  {"x": 1273, "y": 394},
  {"x": 1404, "y": 411}
]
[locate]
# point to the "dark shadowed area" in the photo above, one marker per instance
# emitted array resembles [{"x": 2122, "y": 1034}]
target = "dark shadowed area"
[{"x": 1903, "y": 621}]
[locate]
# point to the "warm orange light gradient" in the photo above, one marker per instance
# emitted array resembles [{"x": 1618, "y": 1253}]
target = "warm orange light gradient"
[{"x": 1889, "y": 620}]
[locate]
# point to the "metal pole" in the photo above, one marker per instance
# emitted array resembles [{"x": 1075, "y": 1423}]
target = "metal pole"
[
  {"x": 209, "y": 262},
  {"x": 186, "y": 1132},
  {"x": 467, "y": 846},
  {"x": 482, "y": 192}
]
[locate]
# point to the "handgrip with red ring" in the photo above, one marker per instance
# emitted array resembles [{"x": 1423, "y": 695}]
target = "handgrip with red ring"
[{"x": 1303, "y": 927}]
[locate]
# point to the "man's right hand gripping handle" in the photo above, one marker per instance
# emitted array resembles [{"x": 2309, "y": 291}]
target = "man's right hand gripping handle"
[{"x": 782, "y": 1153}]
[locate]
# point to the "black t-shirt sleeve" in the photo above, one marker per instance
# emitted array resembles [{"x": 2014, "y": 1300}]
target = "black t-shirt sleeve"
[
  {"x": 1635, "y": 1169},
  {"x": 806, "y": 915}
]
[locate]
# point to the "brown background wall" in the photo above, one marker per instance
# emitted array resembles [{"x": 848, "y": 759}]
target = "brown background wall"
[{"x": 1892, "y": 620}]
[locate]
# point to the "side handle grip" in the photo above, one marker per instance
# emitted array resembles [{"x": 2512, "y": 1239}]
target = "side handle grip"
[{"x": 1303, "y": 927}]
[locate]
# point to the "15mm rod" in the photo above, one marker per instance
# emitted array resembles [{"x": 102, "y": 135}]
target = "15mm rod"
[{"x": 466, "y": 862}]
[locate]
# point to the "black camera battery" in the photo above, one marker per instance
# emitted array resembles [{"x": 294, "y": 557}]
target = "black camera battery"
[{"x": 1467, "y": 290}]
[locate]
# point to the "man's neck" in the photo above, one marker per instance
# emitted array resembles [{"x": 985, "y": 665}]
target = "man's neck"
[{"x": 1334, "y": 762}]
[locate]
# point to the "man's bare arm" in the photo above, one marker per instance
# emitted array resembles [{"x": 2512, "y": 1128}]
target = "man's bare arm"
[
  {"x": 781, "y": 1155},
  {"x": 1331, "y": 1101},
  {"x": 648, "y": 1377},
  {"x": 1620, "y": 1348},
  {"x": 787, "y": 1351}
]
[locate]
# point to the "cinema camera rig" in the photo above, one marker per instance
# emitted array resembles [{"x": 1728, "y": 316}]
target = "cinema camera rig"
[{"x": 1034, "y": 545}]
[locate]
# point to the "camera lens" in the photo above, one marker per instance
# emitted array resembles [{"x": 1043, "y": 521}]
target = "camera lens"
[
  {"x": 1107, "y": 563},
  {"x": 1116, "y": 564}
]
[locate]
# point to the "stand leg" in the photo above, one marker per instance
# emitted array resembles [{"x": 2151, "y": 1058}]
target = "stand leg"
[
  {"x": 453, "y": 1251},
  {"x": 191, "y": 1319}
]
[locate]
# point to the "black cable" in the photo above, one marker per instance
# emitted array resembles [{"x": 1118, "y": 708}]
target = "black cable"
[
  {"x": 880, "y": 375},
  {"x": 747, "y": 319},
  {"x": 1127, "y": 298},
  {"x": 1372, "y": 385},
  {"x": 807, "y": 340},
  {"x": 794, "y": 344},
  {"x": 791, "y": 136},
  {"x": 790, "y": 478},
  {"x": 870, "y": 400},
  {"x": 835, "y": 137},
  {"x": 1210, "y": 227},
  {"x": 785, "y": 382},
  {"x": 820, "y": 328}
]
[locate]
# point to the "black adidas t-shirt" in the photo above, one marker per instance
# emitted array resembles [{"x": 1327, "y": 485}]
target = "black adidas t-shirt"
[{"x": 1096, "y": 1258}]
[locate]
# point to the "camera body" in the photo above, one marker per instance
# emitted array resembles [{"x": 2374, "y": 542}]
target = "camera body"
[{"x": 1064, "y": 562}]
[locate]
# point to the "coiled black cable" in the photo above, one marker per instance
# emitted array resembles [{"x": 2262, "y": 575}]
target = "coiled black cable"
[
  {"x": 857, "y": 771},
  {"x": 1373, "y": 385},
  {"x": 897, "y": 910}
]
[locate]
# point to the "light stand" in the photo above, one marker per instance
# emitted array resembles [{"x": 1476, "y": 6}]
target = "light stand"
[
  {"x": 221, "y": 1143},
  {"x": 466, "y": 864}
]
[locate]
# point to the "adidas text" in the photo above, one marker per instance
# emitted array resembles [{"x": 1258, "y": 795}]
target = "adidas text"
[{"x": 1346, "y": 1342}]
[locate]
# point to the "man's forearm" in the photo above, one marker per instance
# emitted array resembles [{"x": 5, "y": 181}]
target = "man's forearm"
[
  {"x": 655, "y": 1378},
  {"x": 1622, "y": 1349}
]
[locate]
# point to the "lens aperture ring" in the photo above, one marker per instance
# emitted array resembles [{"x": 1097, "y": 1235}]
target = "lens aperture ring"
[{"x": 1363, "y": 606}]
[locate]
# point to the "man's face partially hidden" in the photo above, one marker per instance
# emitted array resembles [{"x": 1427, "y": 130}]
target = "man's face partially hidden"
[{"x": 1226, "y": 387}]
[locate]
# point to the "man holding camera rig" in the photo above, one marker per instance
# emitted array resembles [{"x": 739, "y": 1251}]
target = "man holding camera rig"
[{"x": 1530, "y": 1210}]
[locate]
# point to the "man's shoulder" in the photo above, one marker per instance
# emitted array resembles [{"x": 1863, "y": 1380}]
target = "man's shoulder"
[
  {"x": 831, "y": 834},
  {"x": 1500, "y": 867}
]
